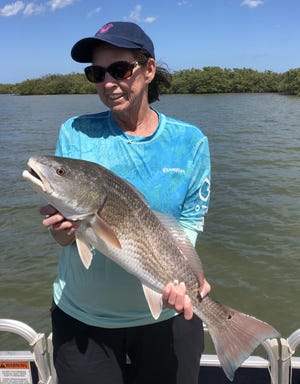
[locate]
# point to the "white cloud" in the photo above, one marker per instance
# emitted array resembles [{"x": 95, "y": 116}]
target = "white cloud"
[
  {"x": 252, "y": 3},
  {"x": 135, "y": 15},
  {"x": 12, "y": 9},
  {"x": 33, "y": 9},
  {"x": 149, "y": 19},
  {"x": 94, "y": 12},
  {"x": 58, "y": 4},
  {"x": 183, "y": 3}
]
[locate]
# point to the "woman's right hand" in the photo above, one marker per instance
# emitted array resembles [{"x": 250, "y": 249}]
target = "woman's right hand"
[{"x": 62, "y": 229}]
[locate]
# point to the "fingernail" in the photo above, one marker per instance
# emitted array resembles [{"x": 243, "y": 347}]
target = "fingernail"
[{"x": 187, "y": 298}]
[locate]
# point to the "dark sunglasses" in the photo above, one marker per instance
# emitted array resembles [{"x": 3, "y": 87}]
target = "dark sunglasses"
[{"x": 119, "y": 70}]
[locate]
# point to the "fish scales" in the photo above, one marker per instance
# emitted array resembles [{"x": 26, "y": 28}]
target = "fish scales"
[
  {"x": 129, "y": 231},
  {"x": 153, "y": 252}
]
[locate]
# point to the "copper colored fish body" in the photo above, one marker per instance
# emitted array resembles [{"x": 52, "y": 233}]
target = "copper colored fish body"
[{"x": 117, "y": 221}]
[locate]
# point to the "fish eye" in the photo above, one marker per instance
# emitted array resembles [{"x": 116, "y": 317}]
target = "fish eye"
[{"x": 60, "y": 171}]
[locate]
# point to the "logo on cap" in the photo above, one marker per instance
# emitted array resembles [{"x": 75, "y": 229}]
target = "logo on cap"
[{"x": 105, "y": 28}]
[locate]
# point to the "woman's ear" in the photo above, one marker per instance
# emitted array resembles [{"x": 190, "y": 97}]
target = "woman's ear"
[{"x": 151, "y": 70}]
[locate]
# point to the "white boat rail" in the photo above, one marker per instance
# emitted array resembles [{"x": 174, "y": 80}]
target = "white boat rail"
[
  {"x": 36, "y": 341},
  {"x": 279, "y": 361},
  {"x": 289, "y": 362}
]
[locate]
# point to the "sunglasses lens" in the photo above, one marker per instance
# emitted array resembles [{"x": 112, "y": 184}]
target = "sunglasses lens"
[
  {"x": 120, "y": 70},
  {"x": 95, "y": 74}
]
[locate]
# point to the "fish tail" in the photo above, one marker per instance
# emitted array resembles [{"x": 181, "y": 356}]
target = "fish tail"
[{"x": 236, "y": 335}]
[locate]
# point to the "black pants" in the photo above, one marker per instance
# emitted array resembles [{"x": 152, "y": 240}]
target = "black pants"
[{"x": 166, "y": 352}]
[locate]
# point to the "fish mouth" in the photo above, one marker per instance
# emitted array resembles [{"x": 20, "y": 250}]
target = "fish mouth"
[{"x": 34, "y": 176}]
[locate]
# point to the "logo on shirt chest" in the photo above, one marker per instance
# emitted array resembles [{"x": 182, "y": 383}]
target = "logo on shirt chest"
[{"x": 174, "y": 170}]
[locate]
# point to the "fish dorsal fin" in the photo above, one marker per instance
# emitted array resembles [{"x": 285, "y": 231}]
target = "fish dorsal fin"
[
  {"x": 104, "y": 231},
  {"x": 154, "y": 300},
  {"x": 84, "y": 250},
  {"x": 183, "y": 243}
]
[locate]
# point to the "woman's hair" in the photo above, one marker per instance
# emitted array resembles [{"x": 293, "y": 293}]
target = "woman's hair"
[{"x": 162, "y": 76}]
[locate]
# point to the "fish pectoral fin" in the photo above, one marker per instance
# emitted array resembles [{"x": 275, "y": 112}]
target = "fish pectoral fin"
[
  {"x": 84, "y": 250},
  {"x": 154, "y": 300},
  {"x": 105, "y": 231}
]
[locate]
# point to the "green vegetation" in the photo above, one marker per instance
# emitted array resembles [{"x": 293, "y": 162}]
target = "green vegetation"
[
  {"x": 73, "y": 83},
  {"x": 192, "y": 81},
  {"x": 290, "y": 82}
]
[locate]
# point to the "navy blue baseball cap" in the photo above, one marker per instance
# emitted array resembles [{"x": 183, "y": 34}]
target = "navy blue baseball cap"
[{"x": 119, "y": 33}]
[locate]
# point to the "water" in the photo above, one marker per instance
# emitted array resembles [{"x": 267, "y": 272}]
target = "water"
[{"x": 251, "y": 244}]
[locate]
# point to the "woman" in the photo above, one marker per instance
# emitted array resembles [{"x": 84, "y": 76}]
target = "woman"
[{"x": 100, "y": 317}]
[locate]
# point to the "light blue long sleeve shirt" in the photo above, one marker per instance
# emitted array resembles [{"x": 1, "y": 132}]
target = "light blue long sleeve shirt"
[{"x": 171, "y": 169}]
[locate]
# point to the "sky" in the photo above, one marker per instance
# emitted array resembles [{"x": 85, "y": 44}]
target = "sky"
[{"x": 36, "y": 36}]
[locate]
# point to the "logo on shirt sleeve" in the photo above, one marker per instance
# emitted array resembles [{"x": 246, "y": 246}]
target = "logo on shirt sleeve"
[{"x": 204, "y": 191}]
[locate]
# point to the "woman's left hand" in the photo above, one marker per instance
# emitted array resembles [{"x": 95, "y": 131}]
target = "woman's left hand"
[{"x": 175, "y": 297}]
